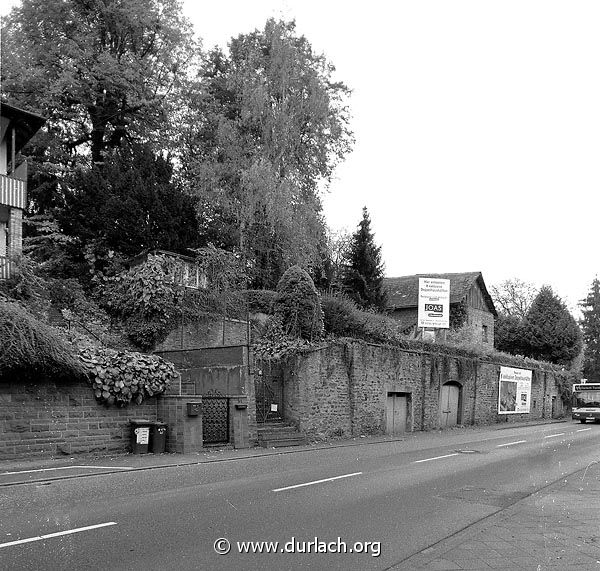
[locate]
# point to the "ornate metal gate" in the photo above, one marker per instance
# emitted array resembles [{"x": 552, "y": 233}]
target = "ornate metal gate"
[
  {"x": 215, "y": 420},
  {"x": 269, "y": 397}
]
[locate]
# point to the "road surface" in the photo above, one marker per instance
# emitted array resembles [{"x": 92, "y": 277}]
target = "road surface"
[{"x": 354, "y": 507}]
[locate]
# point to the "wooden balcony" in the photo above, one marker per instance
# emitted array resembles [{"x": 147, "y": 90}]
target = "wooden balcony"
[{"x": 13, "y": 192}]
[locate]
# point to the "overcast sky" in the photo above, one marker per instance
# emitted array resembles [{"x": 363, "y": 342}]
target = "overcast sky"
[{"x": 477, "y": 129}]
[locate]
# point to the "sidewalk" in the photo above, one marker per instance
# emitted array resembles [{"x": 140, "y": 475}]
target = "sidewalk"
[
  {"x": 408, "y": 441},
  {"x": 557, "y": 528}
]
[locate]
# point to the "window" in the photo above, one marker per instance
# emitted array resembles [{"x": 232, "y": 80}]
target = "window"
[{"x": 484, "y": 333}]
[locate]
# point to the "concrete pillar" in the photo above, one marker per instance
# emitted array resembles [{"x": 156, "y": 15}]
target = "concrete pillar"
[{"x": 238, "y": 413}]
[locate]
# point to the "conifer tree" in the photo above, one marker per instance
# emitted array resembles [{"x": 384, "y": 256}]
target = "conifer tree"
[
  {"x": 551, "y": 333},
  {"x": 590, "y": 324},
  {"x": 363, "y": 279}
]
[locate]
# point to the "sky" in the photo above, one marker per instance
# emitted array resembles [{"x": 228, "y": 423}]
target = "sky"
[{"x": 477, "y": 128}]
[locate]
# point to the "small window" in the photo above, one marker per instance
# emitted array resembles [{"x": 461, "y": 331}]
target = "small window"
[{"x": 484, "y": 333}]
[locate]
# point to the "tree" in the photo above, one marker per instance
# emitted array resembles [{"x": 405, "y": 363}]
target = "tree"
[
  {"x": 550, "y": 331},
  {"x": 268, "y": 127},
  {"x": 329, "y": 275},
  {"x": 513, "y": 297},
  {"x": 109, "y": 76},
  {"x": 130, "y": 205},
  {"x": 101, "y": 71},
  {"x": 509, "y": 335},
  {"x": 363, "y": 279},
  {"x": 590, "y": 324}
]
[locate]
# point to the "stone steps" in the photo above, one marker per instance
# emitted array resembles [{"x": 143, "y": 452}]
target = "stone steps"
[{"x": 278, "y": 435}]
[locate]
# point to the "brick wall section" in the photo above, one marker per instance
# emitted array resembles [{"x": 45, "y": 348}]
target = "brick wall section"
[
  {"x": 341, "y": 389},
  {"x": 54, "y": 419}
]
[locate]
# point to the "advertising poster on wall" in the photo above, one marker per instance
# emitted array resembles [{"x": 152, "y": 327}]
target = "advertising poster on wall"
[
  {"x": 434, "y": 303},
  {"x": 514, "y": 394}
]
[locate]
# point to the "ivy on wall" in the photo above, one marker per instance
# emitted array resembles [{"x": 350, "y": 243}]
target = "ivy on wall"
[{"x": 459, "y": 314}]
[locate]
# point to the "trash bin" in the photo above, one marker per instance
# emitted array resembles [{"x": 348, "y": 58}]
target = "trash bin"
[
  {"x": 140, "y": 435},
  {"x": 158, "y": 437}
]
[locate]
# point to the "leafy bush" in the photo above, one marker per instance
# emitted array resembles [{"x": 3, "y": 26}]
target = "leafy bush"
[
  {"x": 32, "y": 348},
  {"x": 259, "y": 300},
  {"x": 120, "y": 377},
  {"x": 298, "y": 304}
]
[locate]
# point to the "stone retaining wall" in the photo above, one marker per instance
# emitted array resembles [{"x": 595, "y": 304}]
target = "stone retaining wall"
[{"x": 341, "y": 389}]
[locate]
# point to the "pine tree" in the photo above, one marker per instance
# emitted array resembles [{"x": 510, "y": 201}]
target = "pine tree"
[
  {"x": 363, "y": 279},
  {"x": 550, "y": 331},
  {"x": 590, "y": 324}
]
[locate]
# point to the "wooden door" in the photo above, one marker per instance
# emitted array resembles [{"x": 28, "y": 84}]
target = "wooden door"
[
  {"x": 396, "y": 413},
  {"x": 449, "y": 405}
]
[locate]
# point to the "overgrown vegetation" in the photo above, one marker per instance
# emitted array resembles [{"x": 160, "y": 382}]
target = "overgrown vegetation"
[
  {"x": 150, "y": 300},
  {"x": 145, "y": 299},
  {"x": 32, "y": 349}
]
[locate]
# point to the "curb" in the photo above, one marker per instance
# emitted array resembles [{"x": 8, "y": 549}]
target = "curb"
[{"x": 253, "y": 455}]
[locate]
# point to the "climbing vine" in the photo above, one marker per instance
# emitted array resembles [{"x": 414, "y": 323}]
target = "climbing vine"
[{"x": 459, "y": 314}]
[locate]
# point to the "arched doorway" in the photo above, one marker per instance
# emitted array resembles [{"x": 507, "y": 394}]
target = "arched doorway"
[{"x": 450, "y": 404}]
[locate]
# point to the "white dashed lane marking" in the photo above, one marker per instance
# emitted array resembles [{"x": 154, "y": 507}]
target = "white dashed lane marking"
[{"x": 57, "y": 534}]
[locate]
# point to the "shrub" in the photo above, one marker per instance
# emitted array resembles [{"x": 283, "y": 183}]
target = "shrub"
[
  {"x": 259, "y": 300},
  {"x": 298, "y": 304},
  {"x": 343, "y": 318},
  {"x": 339, "y": 315}
]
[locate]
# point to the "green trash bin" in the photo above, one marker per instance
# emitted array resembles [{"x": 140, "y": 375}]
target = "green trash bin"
[
  {"x": 140, "y": 435},
  {"x": 158, "y": 437}
]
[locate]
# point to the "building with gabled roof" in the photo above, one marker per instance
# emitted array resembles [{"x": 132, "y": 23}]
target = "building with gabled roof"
[{"x": 465, "y": 287}]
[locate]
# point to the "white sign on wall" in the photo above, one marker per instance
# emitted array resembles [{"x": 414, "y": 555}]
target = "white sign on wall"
[
  {"x": 434, "y": 303},
  {"x": 514, "y": 391}
]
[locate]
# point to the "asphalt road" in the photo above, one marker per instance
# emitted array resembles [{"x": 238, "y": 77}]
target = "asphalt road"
[{"x": 400, "y": 497}]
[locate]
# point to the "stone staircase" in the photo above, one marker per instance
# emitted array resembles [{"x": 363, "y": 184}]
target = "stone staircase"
[{"x": 279, "y": 434}]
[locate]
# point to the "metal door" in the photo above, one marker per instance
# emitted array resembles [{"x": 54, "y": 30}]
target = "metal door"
[
  {"x": 215, "y": 420},
  {"x": 396, "y": 413},
  {"x": 449, "y": 398}
]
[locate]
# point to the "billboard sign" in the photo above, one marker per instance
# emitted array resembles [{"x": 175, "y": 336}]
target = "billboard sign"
[
  {"x": 514, "y": 391},
  {"x": 434, "y": 303}
]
